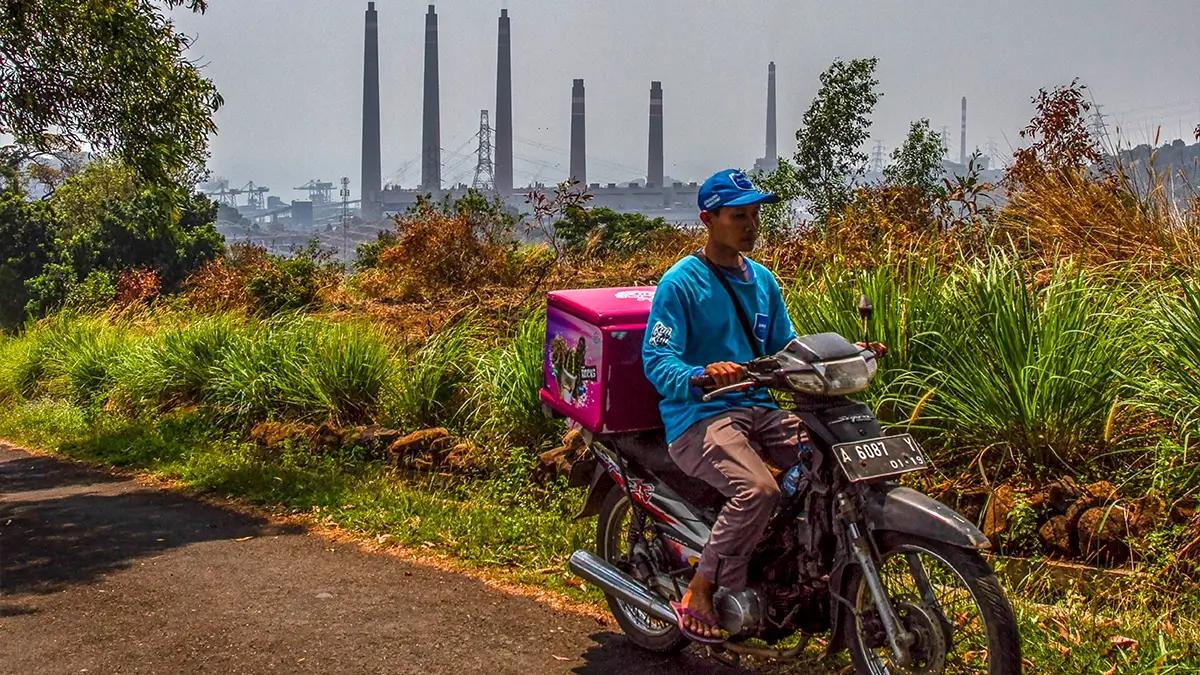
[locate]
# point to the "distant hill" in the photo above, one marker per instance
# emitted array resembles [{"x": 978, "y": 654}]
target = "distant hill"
[{"x": 1177, "y": 163}]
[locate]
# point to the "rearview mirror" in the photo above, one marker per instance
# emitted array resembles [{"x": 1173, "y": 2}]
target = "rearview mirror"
[{"x": 865, "y": 308}]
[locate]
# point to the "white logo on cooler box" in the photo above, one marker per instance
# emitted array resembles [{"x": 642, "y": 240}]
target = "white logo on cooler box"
[{"x": 640, "y": 296}]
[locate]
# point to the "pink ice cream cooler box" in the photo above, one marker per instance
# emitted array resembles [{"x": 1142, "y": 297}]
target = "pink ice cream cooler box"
[{"x": 592, "y": 360}]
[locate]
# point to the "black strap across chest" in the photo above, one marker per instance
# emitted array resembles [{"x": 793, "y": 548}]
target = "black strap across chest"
[{"x": 737, "y": 306}]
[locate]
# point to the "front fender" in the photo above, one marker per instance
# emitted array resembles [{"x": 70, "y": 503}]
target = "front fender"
[{"x": 900, "y": 509}]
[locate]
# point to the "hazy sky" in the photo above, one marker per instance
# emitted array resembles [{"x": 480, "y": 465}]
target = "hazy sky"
[{"x": 291, "y": 75}]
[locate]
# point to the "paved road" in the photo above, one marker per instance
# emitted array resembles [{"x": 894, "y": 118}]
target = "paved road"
[{"x": 101, "y": 575}]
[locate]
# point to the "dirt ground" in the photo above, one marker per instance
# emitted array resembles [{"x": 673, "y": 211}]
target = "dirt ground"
[{"x": 99, "y": 574}]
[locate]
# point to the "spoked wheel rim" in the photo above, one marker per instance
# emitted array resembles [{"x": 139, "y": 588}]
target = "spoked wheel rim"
[
  {"x": 617, "y": 551},
  {"x": 934, "y": 593}
]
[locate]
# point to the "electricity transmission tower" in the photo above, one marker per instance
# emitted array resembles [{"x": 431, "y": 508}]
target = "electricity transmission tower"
[
  {"x": 877, "y": 157},
  {"x": 485, "y": 175}
]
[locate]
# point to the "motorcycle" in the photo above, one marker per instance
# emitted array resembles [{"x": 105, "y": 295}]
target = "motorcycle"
[{"x": 892, "y": 575}]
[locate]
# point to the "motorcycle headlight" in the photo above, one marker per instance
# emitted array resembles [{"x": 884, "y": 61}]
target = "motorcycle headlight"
[
  {"x": 807, "y": 383},
  {"x": 849, "y": 376}
]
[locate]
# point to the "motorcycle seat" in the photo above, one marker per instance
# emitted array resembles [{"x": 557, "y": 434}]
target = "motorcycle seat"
[{"x": 648, "y": 449}]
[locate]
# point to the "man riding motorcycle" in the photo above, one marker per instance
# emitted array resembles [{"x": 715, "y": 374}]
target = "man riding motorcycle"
[{"x": 718, "y": 307}]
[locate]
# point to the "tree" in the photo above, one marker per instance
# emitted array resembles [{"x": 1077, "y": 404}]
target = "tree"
[
  {"x": 828, "y": 156},
  {"x": 107, "y": 220},
  {"x": 108, "y": 73},
  {"x": 917, "y": 164},
  {"x": 1060, "y": 141},
  {"x": 603, "y": 232},
  {"x": 26, "y": 240}
]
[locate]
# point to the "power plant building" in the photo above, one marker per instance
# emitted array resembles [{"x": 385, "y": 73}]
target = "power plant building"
[{"x": 675, "y": 201}]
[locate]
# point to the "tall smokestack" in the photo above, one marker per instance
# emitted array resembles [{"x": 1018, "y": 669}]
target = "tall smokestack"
[
  {"x": 772, "y": 155},
  {"x": 962, "y": 137},
  {"x": 578, "y": 163},
  {"x": 371, "y": 177},
  {"x": 431, "y": 133},
  {"x": 654, "y": 168},
  {"x": 504, "y": 156}
]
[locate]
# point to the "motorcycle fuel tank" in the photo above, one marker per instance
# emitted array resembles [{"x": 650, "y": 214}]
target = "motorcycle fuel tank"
[{"x": 592, "y": 359}]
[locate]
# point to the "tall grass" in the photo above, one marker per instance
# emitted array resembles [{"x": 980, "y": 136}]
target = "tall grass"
[
  {"x": 70, "y": 355},
  {"x": 426, "y": 388},
  {"x": 504, "y": 401},
  {"x": 294, "y": 367},
  {"x": 1033, "y": 371},
  {"x": 907, "y": 300},
  {"x": 176, "y": 365},
  {"x": 991, "y": 355},
  {"x": 1175, "y": 340}
]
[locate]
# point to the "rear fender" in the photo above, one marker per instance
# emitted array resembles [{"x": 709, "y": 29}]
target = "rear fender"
[{"x": 600, "y": 485}]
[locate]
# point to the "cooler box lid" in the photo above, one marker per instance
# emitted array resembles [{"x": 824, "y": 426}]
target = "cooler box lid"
[{"x": 605, "y": 306}]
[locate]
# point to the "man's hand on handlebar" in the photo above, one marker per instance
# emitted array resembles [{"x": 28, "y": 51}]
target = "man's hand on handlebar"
[{"x": 725, "y": 373}]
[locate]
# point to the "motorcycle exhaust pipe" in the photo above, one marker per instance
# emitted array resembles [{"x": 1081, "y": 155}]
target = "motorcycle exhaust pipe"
[{"x": 616, "y": 583}]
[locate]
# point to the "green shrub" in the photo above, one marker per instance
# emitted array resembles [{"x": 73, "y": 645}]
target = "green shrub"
[
  {"x": 94, "y": 293},
  {"x": 286, "y": 284}
]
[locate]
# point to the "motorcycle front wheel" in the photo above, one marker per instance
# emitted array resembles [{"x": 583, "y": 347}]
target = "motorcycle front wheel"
[
  {"x": 948, "y": 598},
  {"x": 617, "y": 535}
]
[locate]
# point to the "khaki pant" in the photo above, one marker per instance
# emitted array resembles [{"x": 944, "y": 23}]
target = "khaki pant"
[{"x": 727, "y": 452}]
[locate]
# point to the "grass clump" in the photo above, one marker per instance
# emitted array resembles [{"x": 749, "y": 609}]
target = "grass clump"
[
  {"x": 1024, "y": 368},
  {"x": 504, "y": 401},
  {"x": 176, "y": 365},
  {"x": 427, "y": 387},
  {"x": 294, "y": 367}
]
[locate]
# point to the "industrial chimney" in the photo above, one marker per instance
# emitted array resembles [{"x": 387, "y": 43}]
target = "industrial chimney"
[
  {"x": 654, "y": 168},
  {"x": 578, "y": 163},
  {"x": 431, "y": 144},
  {"x": 772, "y": 155},
  {"x": 371, "y": 165},
  {"x": 962, "y": 138},
  {"x": 504, "y": 140}
]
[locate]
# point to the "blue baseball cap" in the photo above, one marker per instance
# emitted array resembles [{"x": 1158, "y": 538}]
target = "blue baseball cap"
[{"x": 731, "y": 188}]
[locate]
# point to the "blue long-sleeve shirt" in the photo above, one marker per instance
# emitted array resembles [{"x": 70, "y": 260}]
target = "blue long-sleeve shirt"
[{"x": 692, "y": 324}]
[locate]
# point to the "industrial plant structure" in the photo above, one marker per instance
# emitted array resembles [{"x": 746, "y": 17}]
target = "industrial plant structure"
[
  {"x": 654, "y": 197},
  {"x": 279, "y": 225}
]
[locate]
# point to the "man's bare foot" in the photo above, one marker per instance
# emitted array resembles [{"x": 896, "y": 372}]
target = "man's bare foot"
[{"x": 699, "y": 599}]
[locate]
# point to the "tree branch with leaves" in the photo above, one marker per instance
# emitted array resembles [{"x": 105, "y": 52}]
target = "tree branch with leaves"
[{"x": 109, "y": 74}]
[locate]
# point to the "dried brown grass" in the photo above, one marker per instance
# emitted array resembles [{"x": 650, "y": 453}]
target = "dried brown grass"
[{"x": 1097, "y": 222}]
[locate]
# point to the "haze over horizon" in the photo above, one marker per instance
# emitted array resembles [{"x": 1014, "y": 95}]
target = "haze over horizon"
[{"x": 291, "y": 75}]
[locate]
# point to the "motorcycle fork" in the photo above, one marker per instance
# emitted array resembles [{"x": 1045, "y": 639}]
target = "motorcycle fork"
[{"x": 899, "y": 640}]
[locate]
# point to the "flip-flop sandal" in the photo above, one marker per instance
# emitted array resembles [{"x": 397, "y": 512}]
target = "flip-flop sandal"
[{"x": 681, "y": 612}]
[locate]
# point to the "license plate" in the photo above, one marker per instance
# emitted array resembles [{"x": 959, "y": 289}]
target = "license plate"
[{"x": 880, "y": 457}]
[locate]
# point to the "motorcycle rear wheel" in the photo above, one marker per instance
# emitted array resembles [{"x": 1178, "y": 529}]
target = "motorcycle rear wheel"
[
  {"x": 978, "y": 629},
  {"x": 612, "y": 544}
]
